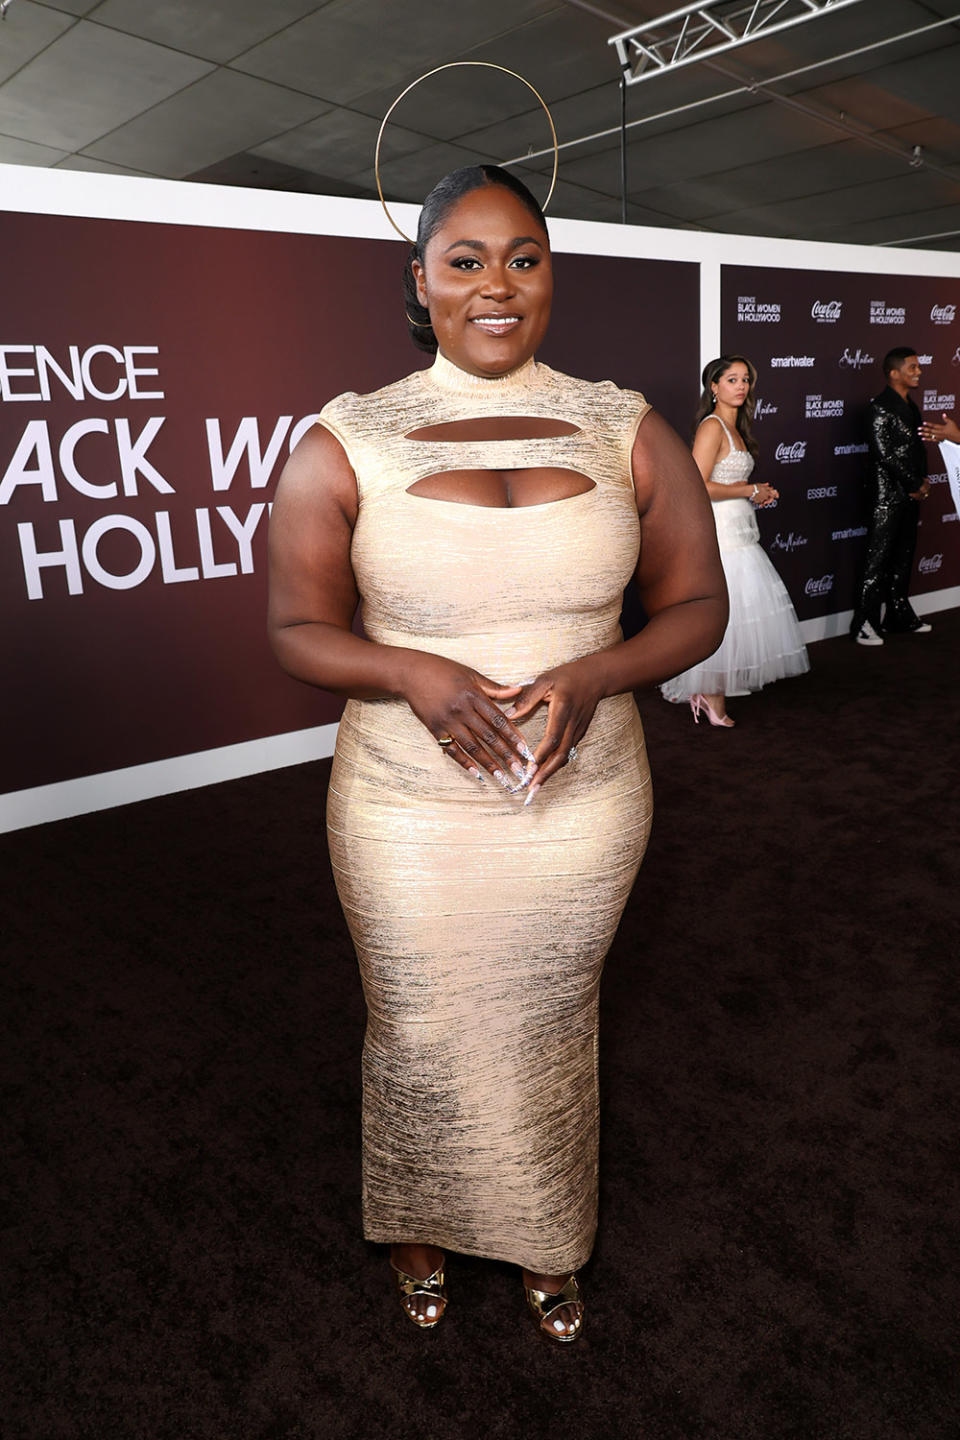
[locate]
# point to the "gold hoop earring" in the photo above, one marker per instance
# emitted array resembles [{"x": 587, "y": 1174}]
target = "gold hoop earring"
[{"x": 453, "y": 65}]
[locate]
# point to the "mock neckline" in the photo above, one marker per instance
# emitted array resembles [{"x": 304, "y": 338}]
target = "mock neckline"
[{"x": 450, "y": 377}]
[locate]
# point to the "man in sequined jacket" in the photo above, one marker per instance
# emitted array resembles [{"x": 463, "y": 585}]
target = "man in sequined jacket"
[{"x": 898, "y": 482}]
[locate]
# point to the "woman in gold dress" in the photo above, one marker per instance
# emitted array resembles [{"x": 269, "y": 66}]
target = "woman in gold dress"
[{"x": 489, "y": 801}]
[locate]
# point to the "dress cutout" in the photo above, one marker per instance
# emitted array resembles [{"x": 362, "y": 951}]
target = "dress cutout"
[
  {"x": 762, "y": 641},
  {"x": 481, "y": 925}
]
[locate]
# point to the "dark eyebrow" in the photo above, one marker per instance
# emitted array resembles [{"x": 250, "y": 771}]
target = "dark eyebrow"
[{"x": 515, "y": 243}]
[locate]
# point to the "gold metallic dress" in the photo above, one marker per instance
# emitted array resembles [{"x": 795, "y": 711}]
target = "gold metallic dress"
[{"x": 481, "y": 925}]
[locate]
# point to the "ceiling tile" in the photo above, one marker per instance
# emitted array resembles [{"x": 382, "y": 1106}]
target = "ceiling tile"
[
  {"x": 221, "y": 114},
  {"x": 72, "y": 7},
  {"x": 27, "y": 30},
  {"x": 353, "y": 47},
  {"x": 98, "y": 167},
  {"x": 412, "y": 177},
  {"x": 89, "y": 81},
  {"x": 215, "y": 30},
  {"x": 24, "y": 152},
  {"x": 341, "y": 143}
]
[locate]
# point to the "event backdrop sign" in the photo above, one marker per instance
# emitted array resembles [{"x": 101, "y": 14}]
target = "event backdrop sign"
[
  {"x": 153, "y": 380},
  {"x": 818, "y": 340}
]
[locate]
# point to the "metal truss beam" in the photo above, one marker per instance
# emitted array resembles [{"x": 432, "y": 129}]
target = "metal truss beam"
[{"x": 701, "y": 32}]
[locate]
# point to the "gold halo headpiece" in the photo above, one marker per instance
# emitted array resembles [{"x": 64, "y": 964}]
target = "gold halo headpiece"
[{"x": 453, "y": 65}]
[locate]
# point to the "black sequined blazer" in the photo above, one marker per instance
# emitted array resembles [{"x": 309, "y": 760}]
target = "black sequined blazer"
[{"x": 899, "y": 460}]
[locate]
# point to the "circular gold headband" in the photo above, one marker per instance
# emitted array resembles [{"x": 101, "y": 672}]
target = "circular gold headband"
[{"x": 453, "y": 65}]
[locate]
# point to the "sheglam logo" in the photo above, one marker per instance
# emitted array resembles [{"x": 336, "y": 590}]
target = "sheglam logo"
[
  {"x": 823, "y": 586},
  {"x": 790, "y": 454},
  {"x": 789, "y": 542},
  {"x": 955, "y": 357},
  {"x": 929, "y": 564},
  {"x": 827, "y": 312},
  {"x": 764, "y": 408},
  {"x": 943, "y": 314},
  {"x": 859, "y": 360}
]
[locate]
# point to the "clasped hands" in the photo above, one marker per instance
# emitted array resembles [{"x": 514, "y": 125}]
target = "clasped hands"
[{"x": 482, "y": 718}]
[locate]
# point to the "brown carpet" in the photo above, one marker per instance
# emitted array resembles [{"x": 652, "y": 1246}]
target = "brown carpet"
[{"x": 780, "y": 1218}]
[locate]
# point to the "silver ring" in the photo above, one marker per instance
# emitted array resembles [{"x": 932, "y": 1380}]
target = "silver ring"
[{"x": 573, "y": 753}]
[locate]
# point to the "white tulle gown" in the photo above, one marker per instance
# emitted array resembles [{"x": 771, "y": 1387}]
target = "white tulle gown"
[{"x": 762, "y": 640}]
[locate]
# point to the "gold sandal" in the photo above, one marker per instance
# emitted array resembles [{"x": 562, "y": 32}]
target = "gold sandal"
[
  {"x": 542, "y": 1305},
  {"x": 433, "y": 1288}
]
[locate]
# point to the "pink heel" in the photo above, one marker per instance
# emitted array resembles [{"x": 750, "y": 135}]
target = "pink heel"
[{"x": 700, "y": 702}]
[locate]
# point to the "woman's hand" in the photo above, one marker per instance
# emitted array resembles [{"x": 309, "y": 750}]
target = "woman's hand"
[
  {"x": 457, "y": 704},
  {"x": 765, "y": 496},
  {"x": 934, "y": 430},
  {"x": 571, "y": 694}
]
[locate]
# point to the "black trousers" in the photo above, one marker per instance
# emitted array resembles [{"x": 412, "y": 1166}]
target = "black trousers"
[{"x": 891, "y": 542}]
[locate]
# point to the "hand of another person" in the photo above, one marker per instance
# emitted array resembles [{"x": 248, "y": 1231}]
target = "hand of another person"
[
  {"x": 765, "y": 495},
  {"x": 934, "y": 430},
  {"x": 571, "y": 694},
  {"x": 457, "y": 704},
  {"x": 922, "y": 493}
]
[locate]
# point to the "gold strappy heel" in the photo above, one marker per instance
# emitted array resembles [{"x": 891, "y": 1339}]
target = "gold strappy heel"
[
  {"x": 542, "y": 1305},
  {"x": 433, "y": 1288}
]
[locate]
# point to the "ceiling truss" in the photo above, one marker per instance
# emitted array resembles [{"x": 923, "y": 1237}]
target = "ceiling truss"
[{"x": 700, "y": 32}]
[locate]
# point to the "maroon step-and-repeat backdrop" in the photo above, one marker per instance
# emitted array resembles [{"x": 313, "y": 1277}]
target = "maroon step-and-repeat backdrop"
[
  {"x": 153, "y": 378},
  {"x": 818, "y": 340}
]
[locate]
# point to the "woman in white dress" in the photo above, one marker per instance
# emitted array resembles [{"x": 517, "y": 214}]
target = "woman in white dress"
[{"x": 762, "y": 640}]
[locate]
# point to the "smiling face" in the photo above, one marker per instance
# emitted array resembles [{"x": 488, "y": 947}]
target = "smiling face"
[
  {"x": 487, "y": 280},
  {"x": 907, "y": 375},
  {"x": 733, "y": 386}
]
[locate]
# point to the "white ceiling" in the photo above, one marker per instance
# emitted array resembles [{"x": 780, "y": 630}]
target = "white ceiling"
[{"x": 288, "y": 94}]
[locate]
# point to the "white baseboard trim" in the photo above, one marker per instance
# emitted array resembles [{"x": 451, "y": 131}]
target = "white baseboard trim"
[
  {"x": 44, "y": 803},
  {"x": 826, "y": 627}
]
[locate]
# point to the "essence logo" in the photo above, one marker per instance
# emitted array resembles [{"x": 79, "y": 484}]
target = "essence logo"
[
  {"x": 940, "y": 479},
  {"x": 822, "y": 492},
  {"x": 823, "y": 586},
  {"x": 854, "y": 533},
  {"x": 791, "y": 454},
  {"x": 932, "y": 400},
  {"x": 943, "y": 314},
  {"x": 764, "y": 408},
  {"x": 791, "y": 362},
  {"x": 860, "y": 359},
  {"x": 819, "y": 409},
  {"x": 750, "y": 313},
  {"x": 789, "y": 543},
  {"x": 883, "y": 314},
  {"x": 929, "y": 564},
  {"x": 826, "y": 312}
]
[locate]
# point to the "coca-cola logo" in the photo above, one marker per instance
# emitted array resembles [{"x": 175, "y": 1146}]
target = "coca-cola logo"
[
  {"x": 857, "y": 360},
  {"x": 790, "y": 454},
  {"x": 826, "y": 312},
  {"x": 943, "y": 314},
  {"x": 823, "y": 586},
  {"x": 929, "y": 564}
]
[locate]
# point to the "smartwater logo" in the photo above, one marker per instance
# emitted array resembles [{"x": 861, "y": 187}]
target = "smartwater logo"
[
  {"x": 823, "y": 586},
  {"x": 826, "y": 312},
  {"x": 819, "y": 409},
  {"x": 952, "y": 516},
  {"x": 850, "y": 449},
  {"x": 764, "y": 408},
  {"x": 933, "y": 400},
  {"x": 943, "y": 314},
  {"x": 929, "y": 564},
  {"x": 854, "y": 533},
  {"x": 791, "y": 362},
  {"x": 822, "y": 492},
  {"x": 789, "y": 543},
  {"x": 925, "y": 359},
  {"x": 791, "y": 454},
  {"x": 750, "y": 311},
  {"x": 883, "y": 314},
  {"x": 857, "y": 360}
]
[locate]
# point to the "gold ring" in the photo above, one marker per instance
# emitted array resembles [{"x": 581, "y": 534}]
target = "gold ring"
[
  {"x": 444, "y": 739},
  {"x": 453, "y": 65}
]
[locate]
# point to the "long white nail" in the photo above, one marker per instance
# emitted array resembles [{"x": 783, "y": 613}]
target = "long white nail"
[{"x": 530, "y": 794}]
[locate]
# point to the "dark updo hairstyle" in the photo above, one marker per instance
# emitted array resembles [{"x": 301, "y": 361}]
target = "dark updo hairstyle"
[
  {"x": 436, "y": 208},
  {"x": 711, "y": 374}
]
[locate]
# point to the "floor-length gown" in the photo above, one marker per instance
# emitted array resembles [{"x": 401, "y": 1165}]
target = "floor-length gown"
[
  {"x": 762, "y": 641},
  {"x": 481, "y": 925}
]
